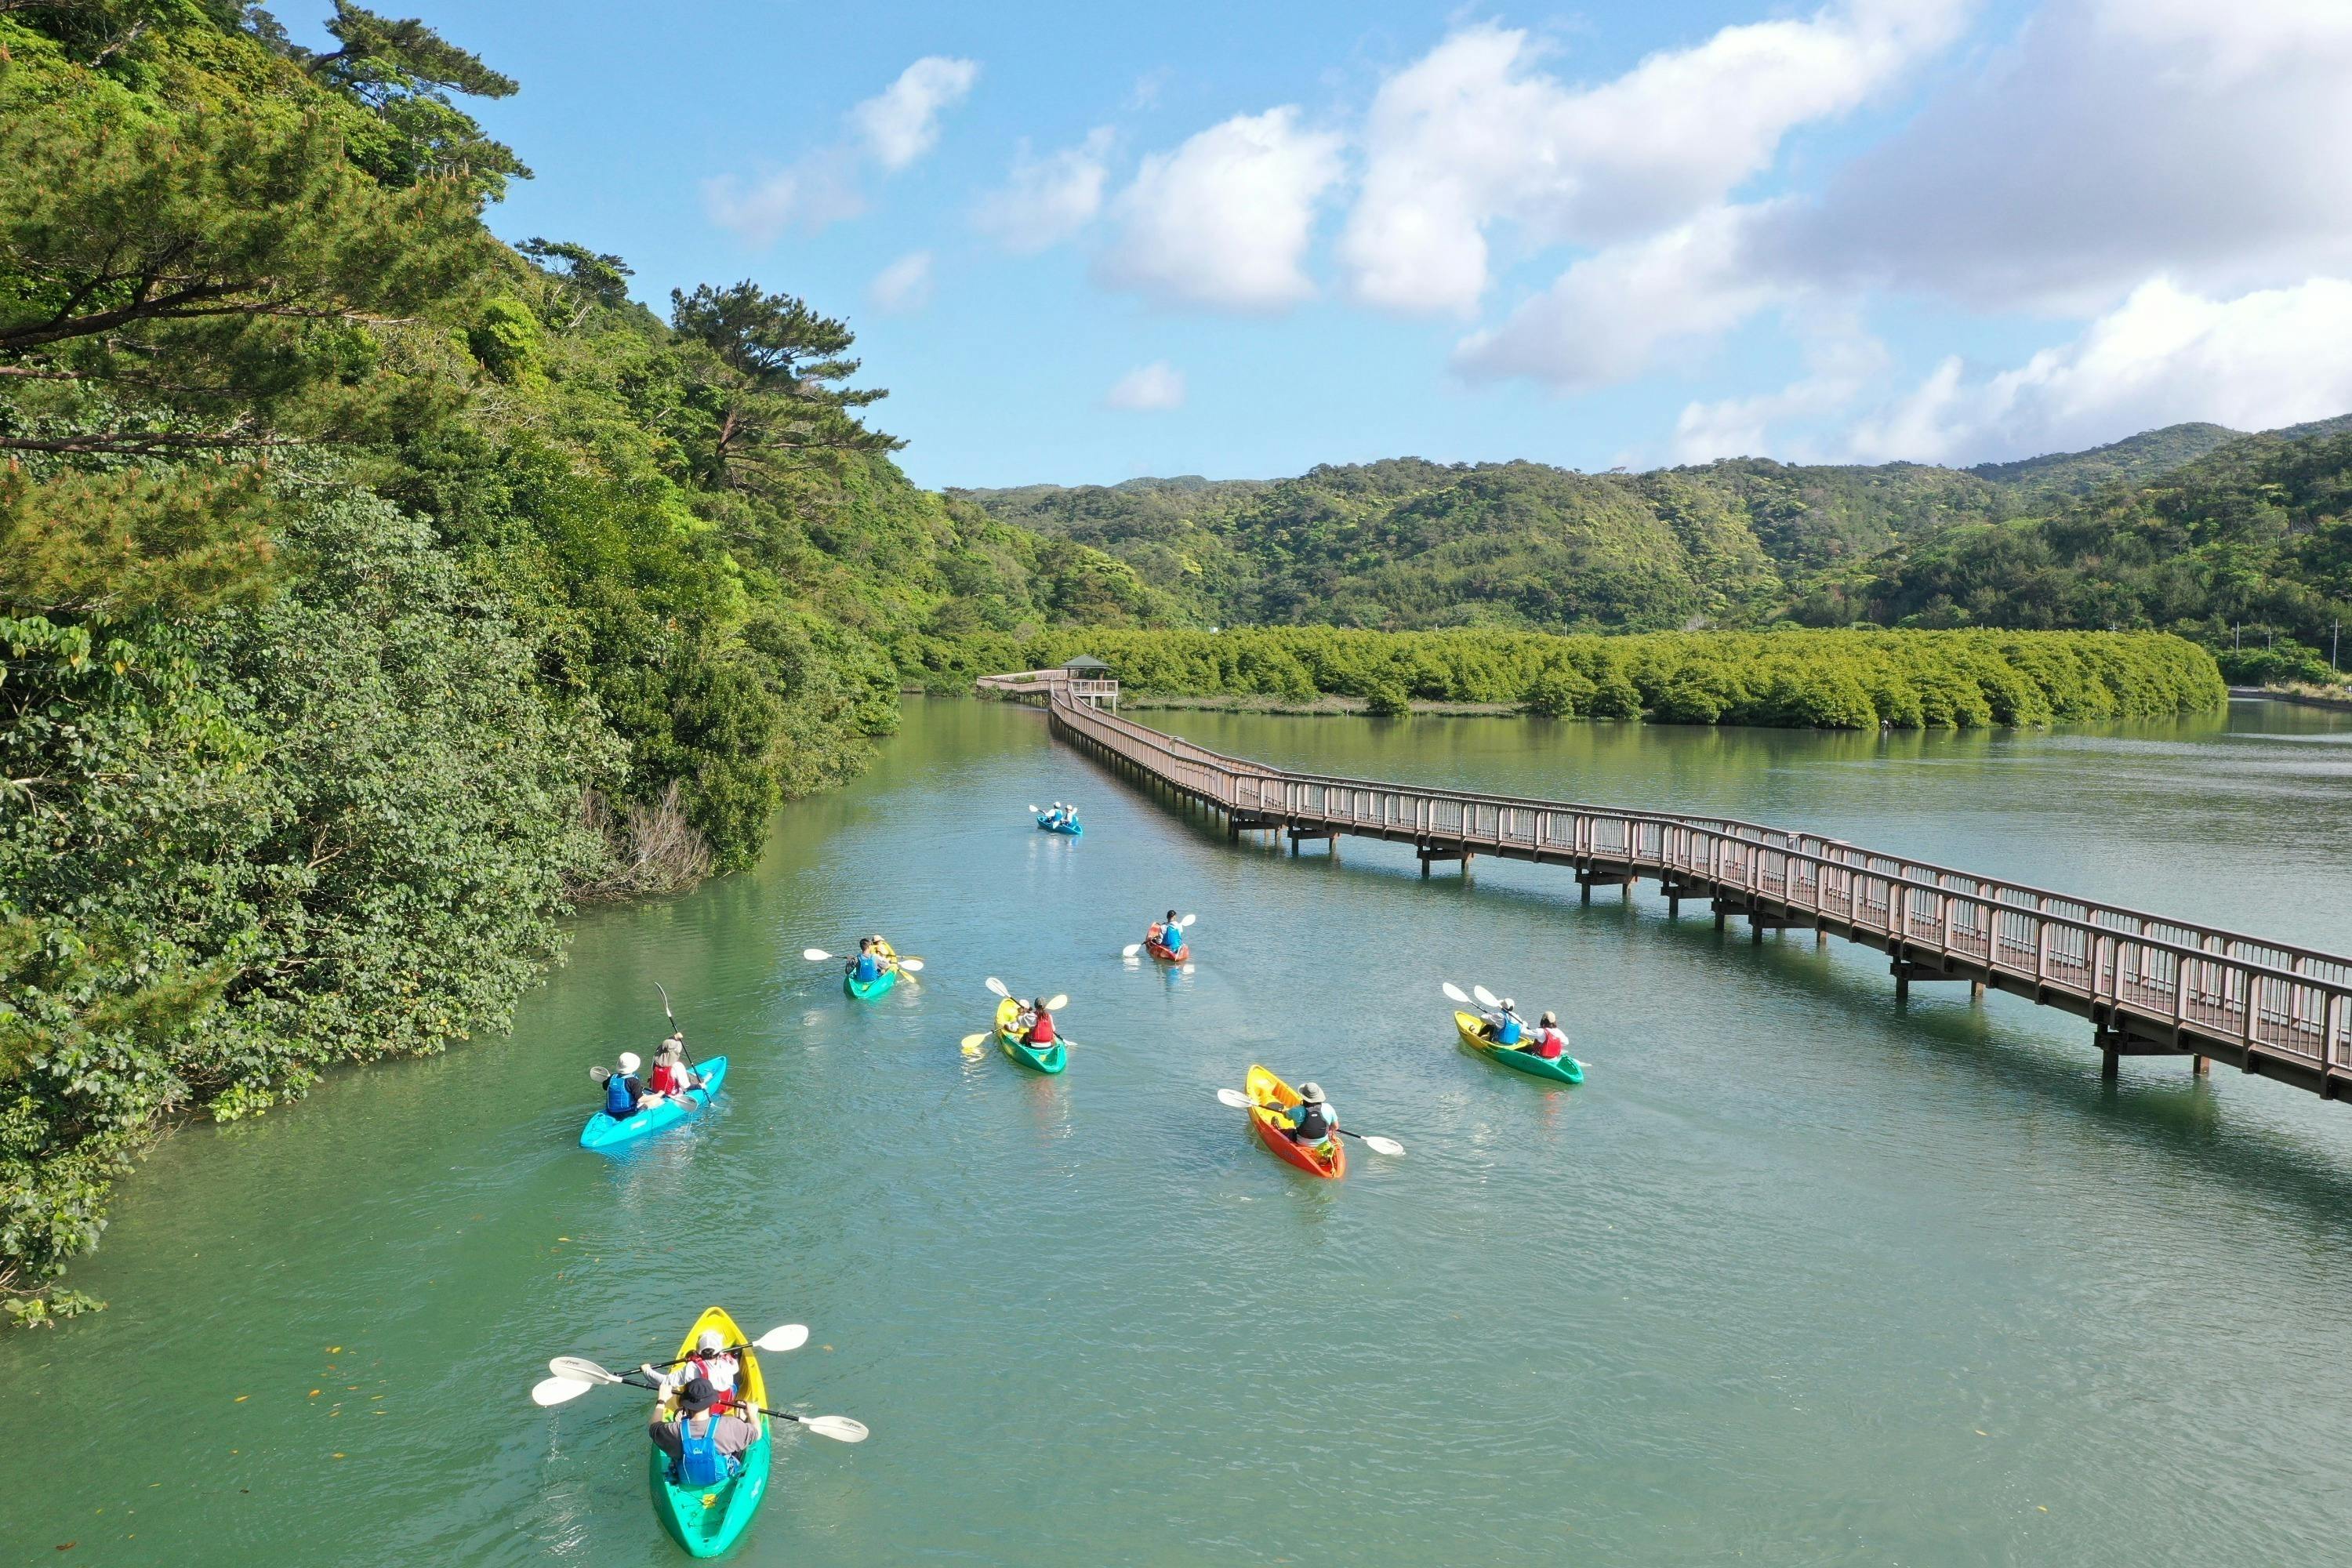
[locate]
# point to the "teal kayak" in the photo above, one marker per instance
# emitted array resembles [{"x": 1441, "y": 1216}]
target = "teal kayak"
[
  {"x": 1053, "y": 1058},
  {"x": 1473, "y": 1030},
  {"x": 1075, "y": 829},
  {"x": 603, "y": 1133},
  {"x": 866, "y": 990}
]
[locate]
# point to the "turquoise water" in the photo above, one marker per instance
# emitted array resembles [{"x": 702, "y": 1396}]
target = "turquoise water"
[{"x": 1796, "y": 1276}]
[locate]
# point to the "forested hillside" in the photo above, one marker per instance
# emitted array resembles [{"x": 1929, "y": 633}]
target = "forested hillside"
[
  {"x": 370, "y": 591},
  {"x": 2194, "y": 529}
]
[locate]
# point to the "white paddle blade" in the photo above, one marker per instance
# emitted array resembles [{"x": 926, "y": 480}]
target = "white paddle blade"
[
  {"x": 1486, "y": 998},
  {"x": 1234, "y": 1098},
  {"x": 840, "y": 1428},
  {"x": 599, "y": 1073},
  {"x": 580, "y": 1369},
  {"x": 911, "y": 965},
  {"x": 1037, "y": 810},
  {"x": 1131, "y": 949},
  {"x": 784, "y": 1337},
  {"x": 815, "y": 955},
  {"x": 1188, "y": 969},
  {"x": 553, "y": 1391},
  {"x": 1382, "y": 1145},
  {"x": 1454, "y": 993},
  {"x": 996, "y": 988},
  {"x": 1186, "y": 924},
  {"x": 1056, "y": 1003}
]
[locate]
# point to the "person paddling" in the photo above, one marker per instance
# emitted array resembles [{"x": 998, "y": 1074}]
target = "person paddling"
[
  {"x": 671, "y": 1076},
  {"x": 713, "y": 1361},
  {"x": 868, "y": 966},
  {"x": 624, "y": 1089},
  {"x": 705, "y": 1447},
  {"x": 1313, "y": 1120},
  {"x": 1038, "y": 1024},
  {"x": 1505, "y": 1027},
  {"x": 1546, "y": 1042},
  {"x": 1166, "y": 934}
]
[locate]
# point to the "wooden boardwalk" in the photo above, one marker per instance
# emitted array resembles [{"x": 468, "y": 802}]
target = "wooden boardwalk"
[{"x": 2151, "y": 986}]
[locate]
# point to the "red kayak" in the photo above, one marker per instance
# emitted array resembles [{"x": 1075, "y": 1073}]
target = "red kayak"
[
  {"x": 1165, "y": 956},
  {"x": 1264, "y": 1089}
]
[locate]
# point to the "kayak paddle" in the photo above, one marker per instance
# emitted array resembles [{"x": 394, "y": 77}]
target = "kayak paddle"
[
  {"x": 1454, "y": 993},
  {"x": 819, "y": 955},
  {"x": 775, "y": 1342},
  {"x": 691, "y": 1065},
  {"x": 574, "y": 1381},
  {"x": 1052, "y": 1004},
  {"x": 1378, "y": 1145}
]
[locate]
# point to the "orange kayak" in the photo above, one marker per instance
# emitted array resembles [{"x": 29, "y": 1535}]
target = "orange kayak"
[{"x": 1264, "y": 1089}]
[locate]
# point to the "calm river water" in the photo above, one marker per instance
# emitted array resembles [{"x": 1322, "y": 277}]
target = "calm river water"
[{"x": 1795, "y": 1277}]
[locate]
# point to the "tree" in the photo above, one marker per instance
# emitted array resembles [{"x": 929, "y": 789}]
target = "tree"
[
  {"x": 406, "y": 72},
  {"x": 763, "y": 392},
  {"x": 594, "y": 279}
]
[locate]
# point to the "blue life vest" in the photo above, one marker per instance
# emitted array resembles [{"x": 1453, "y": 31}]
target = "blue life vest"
[
  {"x": 619, "y": 1104},
  {"x": 1507, "y": 1032},
  {"x": 869, "y": 967},
  {"x": 700, "y": 1462}
]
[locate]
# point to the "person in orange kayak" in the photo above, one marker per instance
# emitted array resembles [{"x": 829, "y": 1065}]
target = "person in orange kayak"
[
  {"x": 1038, "y": 1024},
  {"x": 1313, "y": 1120},
  {"x": 705, "y": 1446},
  {"x": 1546, "y": 1042},
  {"x": 1166, "y": 933}
]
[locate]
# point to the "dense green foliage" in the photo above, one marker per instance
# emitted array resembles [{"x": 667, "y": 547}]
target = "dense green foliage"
[
  {"x": 1841, "y": 680},
  {"x": 370, "y": 591},
  {"x": 2193, "y": 529}
]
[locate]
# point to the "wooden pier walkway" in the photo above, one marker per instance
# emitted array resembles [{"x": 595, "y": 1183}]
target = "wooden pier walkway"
[{"x": 2150, "y": 986}]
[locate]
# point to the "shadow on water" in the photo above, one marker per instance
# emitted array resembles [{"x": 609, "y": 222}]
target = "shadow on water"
[{"x": 2179, "y": 1116}]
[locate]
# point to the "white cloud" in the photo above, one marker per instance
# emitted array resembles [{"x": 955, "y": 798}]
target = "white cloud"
[
  {"x": 901, "y": 122},
  {"x": 2111, "y": 141},
  {"x": 819, "y": 190},
  {"x": 2267, "y": 358},
  {"x": 1153, "y": 389},
  {"x": 904, "y": 286},
  {"x": 1225, "y": 220},
  {"x": 1474, "y": 133},
  {"x": 1044, "y": 201},
  {"x": 1608, "y": 316}
]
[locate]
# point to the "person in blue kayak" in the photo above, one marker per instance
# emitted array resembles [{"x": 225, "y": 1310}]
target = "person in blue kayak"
[
  {"x": 1505, "y": 1027},
  {"x": 1313, "y": 1120},
  {"x": 623, "y": 1090},
  {"x": 1053, "y": 814},
  {"x": 705, "y": 1447}
]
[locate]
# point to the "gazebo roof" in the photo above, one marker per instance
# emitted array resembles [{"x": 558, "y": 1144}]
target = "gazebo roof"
[{"x": 1085, "y": 661}]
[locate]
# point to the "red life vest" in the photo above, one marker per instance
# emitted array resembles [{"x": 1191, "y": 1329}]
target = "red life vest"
[{"x": 1041, "y": 1033}]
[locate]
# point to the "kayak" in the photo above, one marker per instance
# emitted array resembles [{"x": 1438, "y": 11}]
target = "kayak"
[
  {"x": 1053, "y": 1058},
  {"x": 1264, "y": 1089},
  {"x": 1473, "y": 1029},
  {"x": 603, "y": 1133},
  {"x": 1181, "y": 956},
  {"x": 866, "y": 990},
  {"x": 1074, "y": 829},
  {"x": 707, "y": 1521}
]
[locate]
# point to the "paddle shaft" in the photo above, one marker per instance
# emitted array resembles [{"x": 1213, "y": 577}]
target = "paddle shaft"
[
  {"x": 692, "y": 1066},
  {"x": 638, "y": 1379}
]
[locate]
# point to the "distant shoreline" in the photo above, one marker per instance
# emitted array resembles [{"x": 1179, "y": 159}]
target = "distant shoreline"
[{"x": 2308, "y": 699}]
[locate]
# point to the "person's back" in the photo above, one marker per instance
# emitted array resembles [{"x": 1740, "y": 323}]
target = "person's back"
[
  {"x": 1546, "y": 1042},
  {"x": 869, "y": 967},
  {"x": 1509, "y": 1030},
  {"x": 1312, "y": 1118},
  {"x": 1041, "y": 1028},
  {"x": 705, "y": 1447},
  {"x": 623, "y": 1089}
]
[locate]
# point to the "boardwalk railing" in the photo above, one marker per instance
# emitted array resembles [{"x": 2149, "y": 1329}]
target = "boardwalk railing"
[{"x": 2152, "y": 984}]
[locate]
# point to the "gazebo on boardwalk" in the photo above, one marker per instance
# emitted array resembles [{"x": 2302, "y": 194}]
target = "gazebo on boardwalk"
[
  {"x": 1090, "y": 681},
  {"x": 1087, "y": 666}
]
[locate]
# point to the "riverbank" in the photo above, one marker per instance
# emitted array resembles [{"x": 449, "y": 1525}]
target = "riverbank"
[
  {"x": 2305, "y": 696},
  {"x": 1326, "y": 706}
]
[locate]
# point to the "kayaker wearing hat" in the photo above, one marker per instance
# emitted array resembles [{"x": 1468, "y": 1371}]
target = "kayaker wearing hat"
[
  {"x": 705, "y": 1447},
  {"x": 671, "y": 1075},
  {"x": 1546, "y": 1042},
  {"x": 714, "y": 1360},
  {"x": 1506, "y": 1025},
  {"x": 623, "y": 1090},
  {"x": 1314, "y": 1120}
]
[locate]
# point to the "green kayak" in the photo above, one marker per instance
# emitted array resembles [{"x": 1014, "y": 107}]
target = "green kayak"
[
  {"x": 866, "y": 991},
  {"x": 706, "y": 1521},
  {"x": 1051, "y": 1059},
  {"x": 1473, "y": 1029}
]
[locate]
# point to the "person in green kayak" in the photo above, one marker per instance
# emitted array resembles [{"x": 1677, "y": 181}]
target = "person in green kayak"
[
  {"x": 1313, "y": 1120},
  {"x": 1505, "y": 1027},
  {"x": 705, "y": 1447},
  {"x": 1546, "y": 1042},
  {"x": 1036, "y": 1024},
  {"x": 713, "y": 1361},
  {"x": 870, "y": 964}
]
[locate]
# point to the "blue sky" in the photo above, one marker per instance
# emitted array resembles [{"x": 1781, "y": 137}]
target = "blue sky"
[{"x": 1083, "y": 243}]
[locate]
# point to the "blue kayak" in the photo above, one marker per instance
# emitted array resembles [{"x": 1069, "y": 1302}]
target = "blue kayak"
[
  {"x": 603, "y": 1133},
  {"x": 1074, "y": 829}
]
